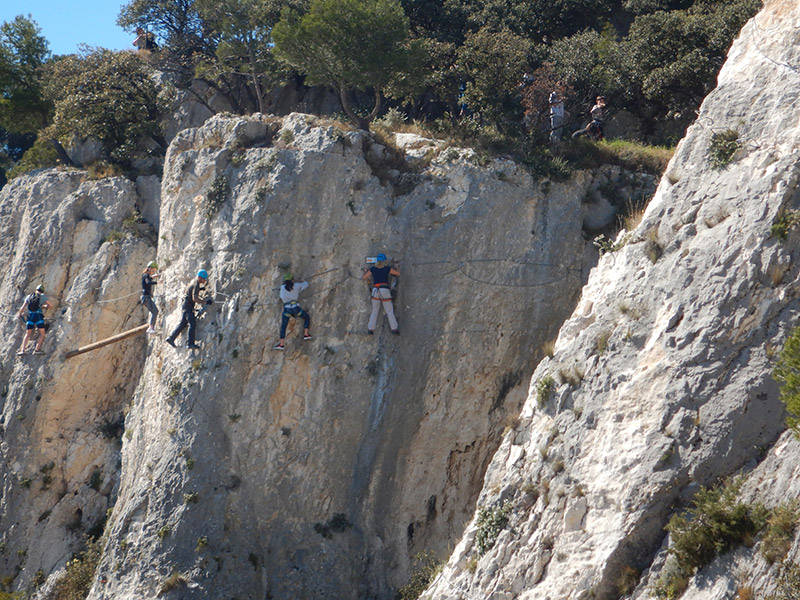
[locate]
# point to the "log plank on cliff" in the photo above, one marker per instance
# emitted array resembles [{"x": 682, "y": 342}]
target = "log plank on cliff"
[{"x": 113, "y": 339}]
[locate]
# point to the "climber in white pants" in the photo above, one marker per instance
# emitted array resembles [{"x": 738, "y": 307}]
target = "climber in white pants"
[{"x": 381, "y": 294}]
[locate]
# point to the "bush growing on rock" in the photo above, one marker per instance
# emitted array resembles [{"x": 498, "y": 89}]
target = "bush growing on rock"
[
  {"x": 715, "y": 523},
  {"x": 787, "y": 373},
  {"x": 491, "y": 521}
]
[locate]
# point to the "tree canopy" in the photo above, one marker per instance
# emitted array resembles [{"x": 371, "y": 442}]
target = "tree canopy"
[
  {"x": 108, "y": 95},
  {"x": 23, "y": 51},
  {"x": 349, "y": 44},
  {"x": 436, "y": 60}
]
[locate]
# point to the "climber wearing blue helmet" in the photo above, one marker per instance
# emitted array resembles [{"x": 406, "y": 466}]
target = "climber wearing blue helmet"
[
  {"x": 381, "y": 294},
  {"x": 188, "y": 317}
]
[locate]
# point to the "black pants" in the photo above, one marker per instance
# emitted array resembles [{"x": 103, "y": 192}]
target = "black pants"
[{"x": 187, "y": 318}]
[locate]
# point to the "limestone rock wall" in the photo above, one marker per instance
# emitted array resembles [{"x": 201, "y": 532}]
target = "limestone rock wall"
[
  {"x": 320, "y": 471},
  {"x": 660, "y": 381},
  {"x": 61, "y": 421}
]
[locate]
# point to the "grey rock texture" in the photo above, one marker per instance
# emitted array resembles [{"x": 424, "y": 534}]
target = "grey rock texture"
[
  {"x": 660, "y": 382},
  {"x": 320, "y": 471},
  {"x": 61, "y": 421}
]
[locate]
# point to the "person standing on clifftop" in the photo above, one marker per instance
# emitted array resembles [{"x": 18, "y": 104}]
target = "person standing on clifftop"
[
  {"x": 381, "y": 294},
  {"x": 595, "y": 127},
  {"x": 149, "y": 279},
  {"x": 188, "y": 317},
  {"x": 145, "y": 40},
  {"x": 36, "y": 303},
  {"x": 290, "y": 292},
  {"x": 556, "y": 116}
]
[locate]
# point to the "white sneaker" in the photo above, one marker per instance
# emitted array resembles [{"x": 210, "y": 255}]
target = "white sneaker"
[{"x": 151, "y": 330}]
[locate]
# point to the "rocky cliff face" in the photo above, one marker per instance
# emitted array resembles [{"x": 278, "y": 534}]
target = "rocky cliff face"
[
  {"x": 661, "y": 379},
  {"x": 61, "y": 420},
  {"x": 318, "y": 472}
]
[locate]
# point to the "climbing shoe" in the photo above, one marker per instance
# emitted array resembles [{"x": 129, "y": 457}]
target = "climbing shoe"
[
  {"x": 370, "y": 332},
  {"x": 307, "y": 337},
  {"x": 278, "y": 347},
  {"x": 21, "y": 353},
  {"x": 396, "y": 331},
  {"x": 171, "y": 342},
  {"x": 193, "y": 346},
  {"x": 151, "y": 330}
]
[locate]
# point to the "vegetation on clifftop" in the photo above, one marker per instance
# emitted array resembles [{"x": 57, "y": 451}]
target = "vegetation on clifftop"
[{"x": 470, "y": 69}]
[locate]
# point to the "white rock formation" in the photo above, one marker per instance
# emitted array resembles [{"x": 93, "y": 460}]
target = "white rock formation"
[
  {"x": 317, "y": 472},
  {"x": 662, "y": 376},
  {"x": 61, "y": 420}
]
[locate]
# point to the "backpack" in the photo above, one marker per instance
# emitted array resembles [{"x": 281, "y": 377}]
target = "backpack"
[{"x": 34, "y": 302}]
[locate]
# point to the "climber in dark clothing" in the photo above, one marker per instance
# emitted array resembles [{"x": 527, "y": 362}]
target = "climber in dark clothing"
[
  {"x": 36, "y": 303},
  {"x": 381, "y": 293},
  {"x": 149, "y": 279},
  {"x": 188, "y": 317}
]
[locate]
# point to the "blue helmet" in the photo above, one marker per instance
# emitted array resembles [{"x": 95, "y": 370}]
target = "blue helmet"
[
  {"x": 381, "y": 257},
  {"x": 202, "y": 273}
]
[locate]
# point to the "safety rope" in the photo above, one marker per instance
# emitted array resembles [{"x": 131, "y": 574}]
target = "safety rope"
[{"x": 757, "y": 30}]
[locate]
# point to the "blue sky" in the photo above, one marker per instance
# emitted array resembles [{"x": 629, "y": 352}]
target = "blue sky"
[{"x": 67, "y": 24}]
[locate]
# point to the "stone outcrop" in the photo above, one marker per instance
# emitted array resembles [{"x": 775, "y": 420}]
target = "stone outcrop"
[
  {"x": 62, "y": 420},
  {"x": 320, "y": 471},
  {"x": 660, "y": 382},
  {"x": 317, "y": 472}
]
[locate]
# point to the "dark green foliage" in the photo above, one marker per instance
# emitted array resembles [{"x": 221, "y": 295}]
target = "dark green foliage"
[
  {"x": 107, "y": 95},
  {"x": 243, "y": 52},
  {"x": 494, "y": 63},
  {"x": 336, "y": 524},
  {"x": 787, "y": 374},
  {"x": 176, "y": 23},
  {"x": 779, "y": 534},
  {"x": 216, "y": 194},
  {"x": 722, "y": 147},
  {"x": 787, "y": 221},
  {"x": 23, "y": 51},
  {"x": 491, "y": 521},
  {"x": 672, "y": 58},
  {"x": 40, "y": 155},
  {"x": 715, "y": 523},
  {"x": 544, "y": 387},
  {"x": 426, "y": 568},
  {"x": 328, "y": 45},
  {"x": 79, "y": 576}
]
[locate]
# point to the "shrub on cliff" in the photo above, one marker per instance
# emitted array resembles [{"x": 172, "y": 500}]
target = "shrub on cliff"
[
  {"x": 787, "y": 373},
  {"x": 715, "y": 523}
]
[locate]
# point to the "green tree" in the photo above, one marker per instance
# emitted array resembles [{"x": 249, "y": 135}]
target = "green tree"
[
  {"x": 177, "y": 23},
  {"x": 108, "y": 95},
  {"x": 535, "y": 19},
  {"x": 243, "y": 30},
  {"x": 349, "y": 44},
  {"x": 494, "y": 63},
  {"x": 787, "y": 373},
  {"x": 671, "y": 58},
  {"x": 23, "y": 51}
]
